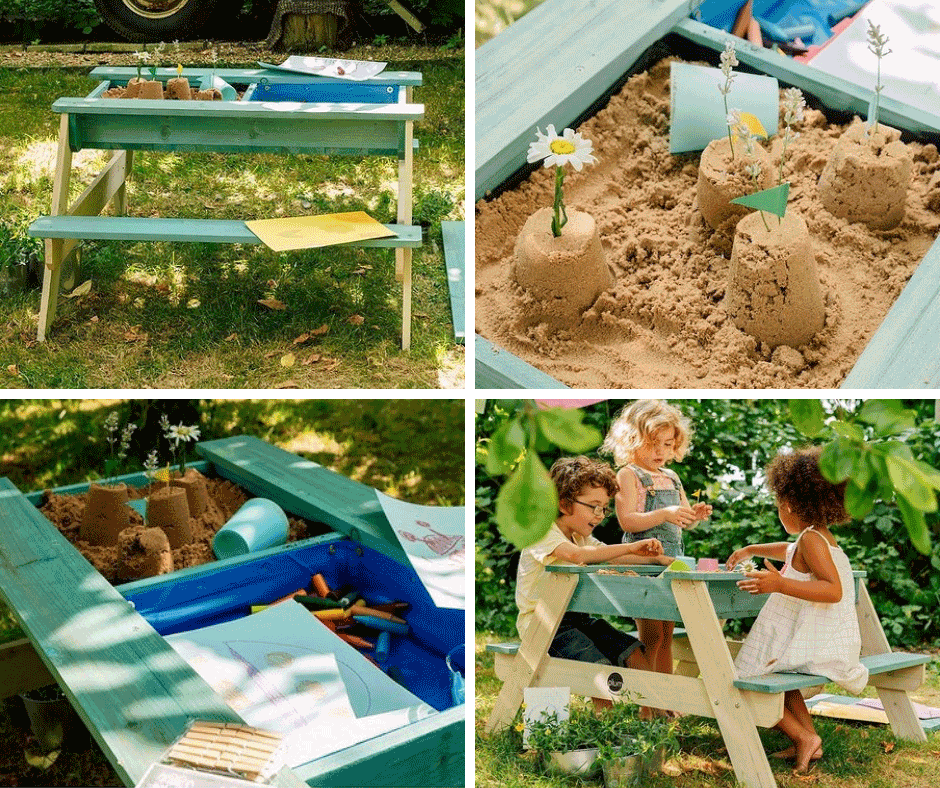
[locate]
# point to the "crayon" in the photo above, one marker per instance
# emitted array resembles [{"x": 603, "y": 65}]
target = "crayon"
[
  {"x": 382, "y": 624},
  {"x": 382, "y": 645},
  {"x": 320, "y": 586},
  {"x": 355, "y": 640}
]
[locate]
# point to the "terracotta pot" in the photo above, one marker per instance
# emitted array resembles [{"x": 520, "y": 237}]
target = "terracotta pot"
[
  {"x": 106, "y": 514},
  {"x": 866, "y": 178},
  {"x": 167, "y": 508},
  {"x": 721, "y": 179},
  {"x": 151, "y": 89},
  {"x": 178, "y": 88},
  {"x": 564, "y": 275},
  {"x": 143, "y": 552},
  {"x": 133, "y": 87},
  {"x": 773, "y": 290},
  {"x": 197, "y": 493}
]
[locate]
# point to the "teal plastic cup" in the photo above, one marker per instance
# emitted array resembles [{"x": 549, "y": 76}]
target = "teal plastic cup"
[
  {"x": 228, "y": 92},
  {"x": 258, "y": 525}
]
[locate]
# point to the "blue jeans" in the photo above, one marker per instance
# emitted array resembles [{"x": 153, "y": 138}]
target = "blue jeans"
[{"x": 587, "y": 639}]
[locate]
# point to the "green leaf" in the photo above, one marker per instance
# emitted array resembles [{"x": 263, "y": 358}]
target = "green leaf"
[
  {"x": 848, "y": 430},
  {"x": 916, "y": 526},
  {"x": 838, "y": 460},
  {"x": 505, "y": 446},
  {"x": 564, "y": 429},
  {"x": 808, "y": 416},
  {"x": 909, "y": 482},
  {"x": 859, "y": 500},
  {"x": 887, "y": 416},
  {"x": 527, "y": 503}
]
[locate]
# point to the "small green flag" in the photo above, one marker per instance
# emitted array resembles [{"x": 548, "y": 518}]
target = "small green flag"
[{"x": 771, "y": 200}]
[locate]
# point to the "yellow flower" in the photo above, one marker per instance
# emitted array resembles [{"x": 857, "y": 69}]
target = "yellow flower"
[
  {"x": 520, "y": 726},
  {"x": 162, "y": 475}
]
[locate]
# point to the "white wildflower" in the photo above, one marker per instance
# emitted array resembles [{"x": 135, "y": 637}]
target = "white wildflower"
[
  {"x": 183, "y": 433},
  {"x": 569, "y": 148}
]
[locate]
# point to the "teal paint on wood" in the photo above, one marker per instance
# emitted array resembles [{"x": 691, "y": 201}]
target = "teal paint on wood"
[
  {"x": 905, "y": 350},
  {"x": 306, "y": 489},
  {"x": 455, "y": 262},
  {"x": 426, "y": 752},
  {"x": 497, "y": 368},
  {"x": 130, "y": 688},
  {"x": 245, "y": 76},
  {"x": 128, "y": 228},
  {"x": 876, "y": 664},
  {"x": 550, "y": 67}
]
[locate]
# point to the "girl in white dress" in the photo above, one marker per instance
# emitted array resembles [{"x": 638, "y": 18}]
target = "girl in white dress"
[{"x": 809, "y": 623}]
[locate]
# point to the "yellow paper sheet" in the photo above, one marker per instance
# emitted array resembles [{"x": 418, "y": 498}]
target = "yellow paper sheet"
[{"x": 310, "y": 232}]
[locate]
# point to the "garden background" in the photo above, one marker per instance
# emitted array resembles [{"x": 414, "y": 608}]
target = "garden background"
[{"x": 733, "y": 439}]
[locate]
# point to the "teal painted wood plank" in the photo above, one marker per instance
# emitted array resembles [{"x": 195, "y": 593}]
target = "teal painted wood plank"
[
  {"x": 876, "y": 664},
  {"x": 132, "y": 228},
  {"x": 455, "y": 263},
  {"x": 550, "y": 66},
  {"x": 127, "y": 684},
  {"x": 305, "y": 489},
  {"x": 426, "y": 752},
  {"x": 905, "y": 350},
  {"x": 244, "y": 76},
  {"x": 497, "y": 368},
  {"x": 34, "y": 541},
  {"x": 834, "y": 92}
]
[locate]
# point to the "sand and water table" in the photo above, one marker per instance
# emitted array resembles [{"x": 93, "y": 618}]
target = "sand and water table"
[
  {"x": 104, "y": 645},
  {"x": 513, "y": 99},
  {"x": 280, "y": 112}
]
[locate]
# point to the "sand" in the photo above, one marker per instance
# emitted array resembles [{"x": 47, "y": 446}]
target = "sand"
[
  {"x": 65, "y": 512},
  {"x": 663, "y": 324}
]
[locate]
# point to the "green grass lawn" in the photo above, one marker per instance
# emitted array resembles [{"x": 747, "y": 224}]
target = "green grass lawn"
[
  {"x": 856, "y": 755},
  {"x": 163, "y": 315}
]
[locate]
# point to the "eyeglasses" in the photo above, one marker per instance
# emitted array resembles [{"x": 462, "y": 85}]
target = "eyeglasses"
[{"x": 600, "y": 511}]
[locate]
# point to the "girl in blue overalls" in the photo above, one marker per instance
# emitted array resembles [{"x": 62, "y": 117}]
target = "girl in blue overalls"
[{"x": 651, "y": 502}]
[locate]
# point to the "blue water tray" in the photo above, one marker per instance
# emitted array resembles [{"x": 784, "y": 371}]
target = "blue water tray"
[
  {"x": 224, "y": 591},
  {"x": 784, "y": 20},
  {"x": 328, "y": 92}
]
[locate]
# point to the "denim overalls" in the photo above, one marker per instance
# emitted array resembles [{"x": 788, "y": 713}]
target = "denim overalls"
[{"x": 668, "y": 533}]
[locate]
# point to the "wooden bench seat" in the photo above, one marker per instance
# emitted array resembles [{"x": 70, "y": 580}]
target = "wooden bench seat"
[
  {"x": 513, "y": 646},
  {"x": 231, "y": 231},
  {"x": 906, "y": 667}
]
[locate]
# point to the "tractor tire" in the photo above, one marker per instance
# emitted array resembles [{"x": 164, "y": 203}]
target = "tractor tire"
[{"x": 155, "y": 20}]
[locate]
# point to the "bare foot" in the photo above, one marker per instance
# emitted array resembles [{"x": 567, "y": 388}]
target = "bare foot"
[
  {"x": 790, "y": 753},
  {"x": 804, "y": 752}
]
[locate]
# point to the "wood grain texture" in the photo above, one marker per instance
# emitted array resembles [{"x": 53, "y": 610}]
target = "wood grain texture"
[
  {"x": 496, "y": 368},
  {"x": 129, "y": 686},
  {"x": 306, "y": 489},
  {"x": 549, "y": 67}
]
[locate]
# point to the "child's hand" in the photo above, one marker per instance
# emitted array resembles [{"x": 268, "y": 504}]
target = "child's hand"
[
  {"x": 702, "y": 511},
  {"x": 683, "y": 516},
  {"x": 648, "y": 547},
  {"x": 762, "y": 581},
  {"x": 665, "y": 560},
  {"x": 739, "y": 555}
]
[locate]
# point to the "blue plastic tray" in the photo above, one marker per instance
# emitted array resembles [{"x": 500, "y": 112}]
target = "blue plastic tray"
[
  {"x": 225, "y": 591},
  {"x": 330, "y": 92},
  {"x": 784, "y": 20}
]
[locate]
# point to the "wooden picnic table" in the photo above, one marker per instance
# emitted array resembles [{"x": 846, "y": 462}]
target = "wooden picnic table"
[
  {"x": 354, "y": 128},
  {"x": 705, "y": 683}
]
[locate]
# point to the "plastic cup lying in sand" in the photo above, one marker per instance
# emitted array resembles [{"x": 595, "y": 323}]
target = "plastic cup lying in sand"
[
  {"x": 707, "y": 565},
  {"x": 259, "y": 524},
  {"x": 228, "y": 92}
]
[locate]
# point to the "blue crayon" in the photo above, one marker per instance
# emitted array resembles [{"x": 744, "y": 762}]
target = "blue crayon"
[
  {"x": 383, "y": 644},
  {"x": 380, "y": 623}
]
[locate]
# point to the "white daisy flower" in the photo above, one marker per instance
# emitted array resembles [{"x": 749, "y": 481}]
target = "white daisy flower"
[
  {"x": 569, "y": 148},
  {"x": 181, "y": 432}
]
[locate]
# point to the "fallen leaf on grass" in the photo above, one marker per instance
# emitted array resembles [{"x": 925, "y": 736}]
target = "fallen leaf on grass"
[
  {"x": 313, "y": 358},
  {"x": 356, "y": 320},
  {"x": 135, "y": 334},
  {"x": 287, "y": 360},
  {"x": 305, "y": 337},
  {"x": 272, "y": 303},
  {"x": 271, "y": 353},
  {"x": 94, "y": 319},
  {"x": 319, "y": 332},
  {"x": 231, "y": 337},
  {"x": 888, "y": 746},
  {"x": 332, "y": 364},
  {"x": 421, "y": 315},
  {"x": 288, "y": 384},
  {"x": 42, "y": 760},
  {"x": 83, "y": 289},
  {"x": 193, "y": 303},
  {"x": 14, "y": 370}
]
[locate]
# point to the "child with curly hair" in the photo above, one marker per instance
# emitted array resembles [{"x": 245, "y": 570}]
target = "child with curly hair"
[
  {"x": 643, "y": 438},
  {"x": 809, "y": 623}
]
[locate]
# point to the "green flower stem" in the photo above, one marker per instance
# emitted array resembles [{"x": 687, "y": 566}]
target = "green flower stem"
[
  {"x": 730, "y": 141},
  {"x": 764, "y": 220},
  {"x": 561, "y": 216}
]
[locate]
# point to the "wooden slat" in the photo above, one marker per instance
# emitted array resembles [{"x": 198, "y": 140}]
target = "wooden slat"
[
  {"x": 129, "y": 686},
  {"x": 306, "y": 489},
  {"x": 245, "y": 76},
  {"x": 531, "y": 75},
  {"x": 496, "y": 368},
  {"x": 455, "y": 263},
  {"x": 232, "y": 231}
]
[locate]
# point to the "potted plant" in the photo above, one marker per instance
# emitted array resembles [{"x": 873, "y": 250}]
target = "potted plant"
[
  {"x": 567, "y": 746},
  {"x": 867, "y": 176},
  {"x": 635, "y": 748},
  {"x": 558, "y": 259}
]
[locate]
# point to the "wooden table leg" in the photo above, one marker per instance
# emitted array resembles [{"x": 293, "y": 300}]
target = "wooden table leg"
[
  {"x": 897, "y": 703},
  {"x": 405, "y": 196},
  {"x": 555, "y": 592},
  {"x": 735, "y": 721},
  {"x": 54, "y": 253}
]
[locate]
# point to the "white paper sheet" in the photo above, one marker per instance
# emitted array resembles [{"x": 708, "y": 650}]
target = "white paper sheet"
[
  {"x": 433, "y": 537},
  {"x": 356, "y": 70}
]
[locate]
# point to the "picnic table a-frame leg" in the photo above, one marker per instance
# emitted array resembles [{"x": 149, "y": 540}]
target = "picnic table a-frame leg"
[
  {"x": 403, "y": 254},
  {"x": 555, "y": 592},
  {"x": 735, "y": 720}
]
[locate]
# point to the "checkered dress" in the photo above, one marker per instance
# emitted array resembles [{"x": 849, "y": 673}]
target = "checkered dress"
[{"x": 819, "y": 638}]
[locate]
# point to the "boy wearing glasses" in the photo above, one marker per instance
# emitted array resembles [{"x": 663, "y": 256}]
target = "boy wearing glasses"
[{"x": 585, "y": 488}]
